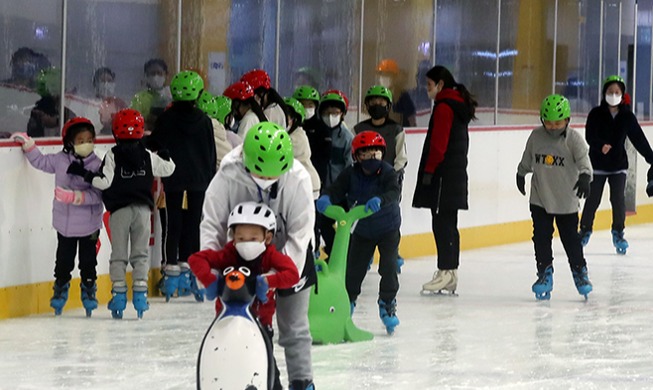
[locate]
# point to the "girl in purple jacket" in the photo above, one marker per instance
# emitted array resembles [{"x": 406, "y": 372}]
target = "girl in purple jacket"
[{"x": 76, "y": 209}]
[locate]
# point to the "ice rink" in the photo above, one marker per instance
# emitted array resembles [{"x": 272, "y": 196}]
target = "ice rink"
[{"x": 494, "y": 335}]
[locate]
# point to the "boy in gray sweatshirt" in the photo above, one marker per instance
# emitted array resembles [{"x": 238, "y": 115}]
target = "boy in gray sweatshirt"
[{"x": 558, "y": 158}]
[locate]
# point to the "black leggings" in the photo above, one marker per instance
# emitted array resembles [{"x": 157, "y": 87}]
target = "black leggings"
[
  {"x": 444, "y": 224},
  {"x": 65, "y": 261},
  {"x": 617, "y": 200},
  {"x": 182, "y": 234},
  {"x": 543, "y": 237}
]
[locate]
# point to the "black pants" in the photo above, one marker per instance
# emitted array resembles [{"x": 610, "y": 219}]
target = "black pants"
[
  {"x": 447, "y": 238},
  {"x": 182, "y": 236},
  {"x": 65, "y": 261},
  {"x": 361, "y": 250},
  {"x": 617, "y": 200},
  {"x": 327, "y": 232},
  {"x": 543, "y": 237}
]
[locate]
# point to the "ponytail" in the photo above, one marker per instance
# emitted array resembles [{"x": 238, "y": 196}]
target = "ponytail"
[{"x": 469, "y": 99}]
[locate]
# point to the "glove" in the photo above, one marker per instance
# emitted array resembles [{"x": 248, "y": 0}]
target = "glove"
[
  {"x": 521, "y": 183},
  {"x": 582, "y": 186},
  {"x": 262, "y": 288},
  {"x": 373, "y": 205},
  {"x": 322, "y": 203},
  {"x": 211, "y": 291},
  {"x": 26, "y": 142},
  {"x": 649, "y": 189},
  {"x": 77, "y": 168},
  {"x": 164, "y": 154},
  {"x": 427, "y": 179},
  {"x": 68, "y": 196}
]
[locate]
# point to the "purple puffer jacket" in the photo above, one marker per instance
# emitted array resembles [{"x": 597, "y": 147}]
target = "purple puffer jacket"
[{"x": 70, "y": 220}]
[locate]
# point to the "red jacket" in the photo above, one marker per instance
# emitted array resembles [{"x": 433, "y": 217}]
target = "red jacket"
[
  {"x": 441, "y": 129},
  {"x": 284, "y": 275}
]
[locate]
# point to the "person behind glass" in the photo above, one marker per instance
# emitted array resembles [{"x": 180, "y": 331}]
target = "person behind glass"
[
  {"x": 44, "y": 117},
  {"x": 24, "y": 68},
  {"x": 104, "y": 85},
  {"x": 557, "y": 156},
  {"x": 126, "y": 177},
  {"x": 607, "y": 127},
  {"x": 390, "y": 76},
  {"x": 419, "y": 95},
  {"x": 244, "y": 107},
  {"x": 262, "y": 170},
  {"x": 209, "y": 105},
  {"x": 372, "y": 182},
  {"x": 251, "y": 229},
  {"x": 151, "y": 101},
  {"x": 300, "y": 145},
  {"x": 187, "y": 133},
  {"x": 442, "y": 174},
  {"x": 76, "y": 209},
  {"x": 267, "y": 97},
  {"x": 336, "y": 139}
]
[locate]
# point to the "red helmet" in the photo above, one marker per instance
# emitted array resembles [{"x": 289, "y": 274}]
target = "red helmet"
[
  {"x": 257, "y": 78},
  {"x": 367, "y": 139},
  {"x": 128, "y": 124},
  {"x": 74, "y": 122},
  {"x": 239, "y": 91},
  {"x": 339, "y": 92}
]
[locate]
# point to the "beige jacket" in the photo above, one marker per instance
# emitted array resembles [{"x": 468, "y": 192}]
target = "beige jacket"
[
  {"x": 222, "y": 145},
  {"x": 302, "y": 153}
]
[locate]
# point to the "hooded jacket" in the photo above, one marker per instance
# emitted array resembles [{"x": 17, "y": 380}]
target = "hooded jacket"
[
  {"x": 187, "y": 133},
  {"x": 302, "y": 151}
]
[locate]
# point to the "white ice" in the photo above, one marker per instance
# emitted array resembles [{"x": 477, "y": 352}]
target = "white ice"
[{"x": 493, "y": 335}]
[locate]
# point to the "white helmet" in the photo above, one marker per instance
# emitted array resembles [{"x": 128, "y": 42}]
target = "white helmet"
[{"x": 253, "y": 213}]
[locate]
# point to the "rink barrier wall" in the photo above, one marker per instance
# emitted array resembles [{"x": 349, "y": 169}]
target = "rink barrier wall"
[{"x": 498, "y": 215}]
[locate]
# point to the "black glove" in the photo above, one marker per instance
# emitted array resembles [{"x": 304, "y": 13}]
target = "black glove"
[
  {"x": 76, "y": 168},
  {"x": 649, "y": 189},
  {"x": 521, "y": 184},
  {"x": 427, "y": 179},
  {"x": 649, "y": 174},
  {"x": 164, "y": 154},
  {"x": 582, "y": 186}
]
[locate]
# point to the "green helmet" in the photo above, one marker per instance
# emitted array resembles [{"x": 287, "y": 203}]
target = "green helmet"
[
  {"x": 555, "y": 108},
  {"x": 297, "y": 107},
  {"x": 186, "y": 86},
  {"x": 612, "y": 79},
  {"x": 223, "y": 105},
  {"x": 207, "y": 103},
  {"x": 334, "y": 98},
  {"x": 48, "y": 82},
  {"x": 379, "y": 91},
  {"x": 267, "y": 150},
  {"x": 306, "y": 92}
]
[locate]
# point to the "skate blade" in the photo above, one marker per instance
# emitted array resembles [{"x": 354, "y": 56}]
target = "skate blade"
[
  {"x": 543, "y": 296},
  {"x": 621, "y": 251},
  {"x": 442, "y": 292}
]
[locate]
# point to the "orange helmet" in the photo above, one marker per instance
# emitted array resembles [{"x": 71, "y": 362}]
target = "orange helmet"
[
  {"x": 388, "y": 65},
  {"x": 128, "y": 124}
]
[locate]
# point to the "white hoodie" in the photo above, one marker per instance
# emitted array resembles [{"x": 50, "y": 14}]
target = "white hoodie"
[{"x": 293, "y": 206}]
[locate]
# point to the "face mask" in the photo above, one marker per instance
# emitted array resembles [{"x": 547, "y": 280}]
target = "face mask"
[
  {"x": 106, "y": 89},
  {"x": 613, "y": 100},
  {"x": 332, "y": 120},
  {"x": 83, "y": 150},
  {"x": 156, "y": 82},
  {"x": 385, "y": 81},
  {"x": 377, "y": 111},
  {"x": 371, "y": 165},
  {"x": 264, "y": 184},
  {"x": 432, "y": 93},
  {"x": 231, "y": 125},
  {"x": 24, "y": 71},
  {"x": 310, "y": 112},
  {"x": 250, "y": 250}
]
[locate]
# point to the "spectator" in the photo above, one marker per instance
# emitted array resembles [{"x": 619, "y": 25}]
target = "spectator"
[
  {"x": 104, "y": 84},
  {"x": 151, "y": 101},
  {"x": 393, "y": 78},
  {"x": 44, "y": 117}
]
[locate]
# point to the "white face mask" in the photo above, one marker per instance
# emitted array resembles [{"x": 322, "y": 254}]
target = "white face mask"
[
  {"x": 83, "y": 150},
  {"x": 310, "y": 112},
  {"x": 613, "y": 100},
  {"x": 432, "y": 93},
  {"x": 106, "y": 89},
  {"x": 156, "y": 82},
  {"x": 332, "y": 120},
  {"x": 250, "y": 250},
  {"x": 386, "y": 81},
  {"x": 264, "y": 184}
]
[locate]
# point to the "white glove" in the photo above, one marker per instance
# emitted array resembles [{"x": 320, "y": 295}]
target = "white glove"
[{"x": 26, "y": 142}]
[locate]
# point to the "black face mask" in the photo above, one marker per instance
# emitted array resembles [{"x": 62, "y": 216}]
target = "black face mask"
[
  {"x": 371, "y": 165},
  {"x": 235, "y": 110},
  {"x": 377, "y": 111}
]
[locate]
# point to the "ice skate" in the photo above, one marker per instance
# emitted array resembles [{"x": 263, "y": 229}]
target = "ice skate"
[
  {"x": 89, "y": 301},
  {"x": 619, "y": 241},
  {"x": 117, "y": 304},
  {"x": 544, "y": 284},
  {"x": 585, "y": 237},
  {"x": 400, "y": 263},
  {"x": 388, "y": 314},
  {"x": 170, "y": 280},
  {"x": 444, "y": 282},
  {"x": 184, "y": 286},
  {"x": 197, "y": 290},
  {"x": 352, "y": 307},
  {"x": 140, "y": 298},
  {"x": 305, "y": 384},
  {"x": 59, "y": 298},
  {"x": 582, "y": 281}
]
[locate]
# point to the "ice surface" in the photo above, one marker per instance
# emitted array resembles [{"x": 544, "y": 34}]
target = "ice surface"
[{"x": 493, "y": 335}]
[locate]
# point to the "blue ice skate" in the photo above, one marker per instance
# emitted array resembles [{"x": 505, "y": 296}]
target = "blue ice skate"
[
  {"x": 544, "y": 284},
  {"x": 400, "y": 263},
  {"x": 388, "y": 314},
  {"x": 117, "y": 304},
  {"x": 59, "y": 298},
  {"x": 140, "y": 303},
  {"x": 184, "y": 286},
  {"x": 352, "y": 307},
  {"x": 305, "y": 384},
  {"x": 195, "y": 289},
  {"x": 582, "y": 281},
  {"x": 89, "y": 301},
  {"x": 170, "y": 280},
  {"x": 585, "y": 237},
  {"x": 619, "y": 241}
]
